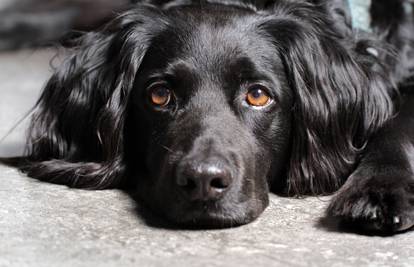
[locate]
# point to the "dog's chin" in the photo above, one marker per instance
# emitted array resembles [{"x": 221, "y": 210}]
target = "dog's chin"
[
  {"x": 231, "y": 211},
  {"x": 211, "y": 215}
]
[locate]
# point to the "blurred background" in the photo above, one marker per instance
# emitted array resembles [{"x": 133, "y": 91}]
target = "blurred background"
[
  {"x": 32, "y": 33},
  {"x": 26, "y": 23}
]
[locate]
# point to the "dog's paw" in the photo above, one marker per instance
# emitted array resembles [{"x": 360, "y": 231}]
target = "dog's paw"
[{"x": 378, "y": 204}]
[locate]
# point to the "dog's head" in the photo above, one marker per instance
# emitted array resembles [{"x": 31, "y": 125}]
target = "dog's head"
[{"x": 207, "y": 106}]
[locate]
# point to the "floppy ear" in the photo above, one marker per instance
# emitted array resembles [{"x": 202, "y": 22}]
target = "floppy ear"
[
  {"x": 76, "y": 134},
  {"x": 341, "y": 96}
]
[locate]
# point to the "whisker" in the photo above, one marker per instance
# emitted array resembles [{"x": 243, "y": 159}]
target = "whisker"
[{"x": 167, "y": 148}]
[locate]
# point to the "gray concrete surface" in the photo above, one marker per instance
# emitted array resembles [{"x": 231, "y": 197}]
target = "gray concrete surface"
[{"x": 49, "y": 225}]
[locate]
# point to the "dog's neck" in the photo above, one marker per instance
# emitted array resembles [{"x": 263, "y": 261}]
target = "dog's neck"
[{"x": 361, "y": 16}]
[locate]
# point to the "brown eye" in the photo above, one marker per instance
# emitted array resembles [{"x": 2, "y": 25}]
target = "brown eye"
[
  {"x": 160, "y": 96},
  {"x": 257, "y": 97}
]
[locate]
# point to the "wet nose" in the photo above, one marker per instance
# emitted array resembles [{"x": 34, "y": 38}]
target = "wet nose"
[{"x": 203, "y": 180}]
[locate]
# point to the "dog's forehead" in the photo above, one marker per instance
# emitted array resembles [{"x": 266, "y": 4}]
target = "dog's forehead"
[{"x": 212, "y": 42}]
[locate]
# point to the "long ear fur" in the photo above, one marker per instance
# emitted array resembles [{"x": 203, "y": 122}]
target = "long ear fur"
[
  {"x": 76, "y": 134},
  {"x": 341, "y": 96}
]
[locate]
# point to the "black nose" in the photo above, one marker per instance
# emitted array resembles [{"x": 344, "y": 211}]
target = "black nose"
[{"x": 203, "y": 181}]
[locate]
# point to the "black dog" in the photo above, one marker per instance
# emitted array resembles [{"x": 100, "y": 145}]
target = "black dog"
[{"x": 206, "y": 107}]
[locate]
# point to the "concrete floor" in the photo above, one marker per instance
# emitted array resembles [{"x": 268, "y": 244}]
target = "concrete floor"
[{"x": 49, "y": 225}]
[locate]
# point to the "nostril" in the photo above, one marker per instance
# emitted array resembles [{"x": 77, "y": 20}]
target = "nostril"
[
  {"x": 219, "y": 183},
  {"x": 191, "y": 184}
]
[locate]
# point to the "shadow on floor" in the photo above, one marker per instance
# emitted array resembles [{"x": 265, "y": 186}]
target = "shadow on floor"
[{"x": 334, "y": 224}]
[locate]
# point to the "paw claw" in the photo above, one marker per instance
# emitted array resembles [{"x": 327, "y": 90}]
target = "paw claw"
[
  {"x": 396, "y": 220},
  {"x": 405, "y": 224}
]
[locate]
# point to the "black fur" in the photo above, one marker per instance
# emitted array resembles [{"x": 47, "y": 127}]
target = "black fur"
[{"x": 333, "y": 114}]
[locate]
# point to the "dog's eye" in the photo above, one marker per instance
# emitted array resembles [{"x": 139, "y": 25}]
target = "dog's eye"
[
  {"x": 257, "y": 97},
  {"x": 160, "y": 96}
]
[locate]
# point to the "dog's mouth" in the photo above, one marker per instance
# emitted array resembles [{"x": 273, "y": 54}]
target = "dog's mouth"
[
  {"x": 235, "y": 208},
  {"x": 212, "y": 214}
]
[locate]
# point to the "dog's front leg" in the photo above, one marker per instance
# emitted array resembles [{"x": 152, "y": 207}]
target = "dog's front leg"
[{"x": 379, "y": 194}]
